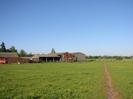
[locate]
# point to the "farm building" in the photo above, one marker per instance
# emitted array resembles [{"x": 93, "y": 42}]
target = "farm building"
[
  {"x": 70, "y": 57},
  {"x": 25, "y": 59},
  {"x": 56, "y": 57},
  {"x": 66, "y": 57},
  {"x": 46, "y": 58},
  {"x": 51, "y": 57},
  {"x": 6, "y": 57},
  {"x": 78, "y": 56}
]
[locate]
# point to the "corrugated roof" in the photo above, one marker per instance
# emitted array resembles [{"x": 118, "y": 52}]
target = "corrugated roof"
[{"x": 8, "y": 54}]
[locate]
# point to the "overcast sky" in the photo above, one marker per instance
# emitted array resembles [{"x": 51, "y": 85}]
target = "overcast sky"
[{"x": 95, "y": 27}]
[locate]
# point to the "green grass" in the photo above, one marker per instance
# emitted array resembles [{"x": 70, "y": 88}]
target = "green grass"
[
  {"x": 52, "y": 81},
  {"x": 64, "y": 80},
  {"x": 122, "y": 75}
]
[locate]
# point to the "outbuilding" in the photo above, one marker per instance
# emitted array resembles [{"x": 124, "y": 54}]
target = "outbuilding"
[
  {"x": 52, "y": 57},
  {"x": 78, "y": 56},
  {"x": 7, "y": 57}
]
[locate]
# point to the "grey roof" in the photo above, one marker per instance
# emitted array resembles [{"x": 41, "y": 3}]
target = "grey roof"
[
  {"x": 60, "y": 53},
  {"x": 8, "y": 54},
  {"x": 78, "y": 53},
  {"x": 74, "y": 53}
]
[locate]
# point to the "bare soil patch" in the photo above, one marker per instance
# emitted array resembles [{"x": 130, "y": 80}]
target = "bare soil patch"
[{"x": 111, "y": 92}]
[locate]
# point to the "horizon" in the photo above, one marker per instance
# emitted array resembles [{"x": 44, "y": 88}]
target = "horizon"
[
  {"x": 65, "y": 52},
  {"x": 94, "y": 27}
]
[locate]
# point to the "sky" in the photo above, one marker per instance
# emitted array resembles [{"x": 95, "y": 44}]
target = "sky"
[{"x": 94, "y": 27}]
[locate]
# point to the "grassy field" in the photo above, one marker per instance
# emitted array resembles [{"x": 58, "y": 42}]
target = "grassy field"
[
  {"x": 122, "y": 75},
  {"x": 64, "y": 80},
  {"x": 52, "y": 81}
]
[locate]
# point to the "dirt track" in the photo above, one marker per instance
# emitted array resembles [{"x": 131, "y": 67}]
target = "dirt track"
[{"x": 111, "y": 92}]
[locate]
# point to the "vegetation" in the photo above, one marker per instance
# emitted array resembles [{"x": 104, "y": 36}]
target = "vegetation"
[
  {"x": 53, "y": 51},
  {"x": 122, "y": 74},
  {"x": 12, "y": 49},
  {"x": 109, "y": 57},
  {"x": 65, "y": 80},
  {"x": 2, "y": 47},
  {"x": 52, "y": 81},
  {"x": 21, "y": 53}
]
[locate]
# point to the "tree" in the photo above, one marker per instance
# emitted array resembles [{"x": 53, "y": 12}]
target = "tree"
[
  {"x": 8, "y": 50},
  {"x": 53, "y": 51},
  {"x": 22, "y": 53},
  {"x": 119, "y": 58},
  {"x": 3, "y": 48},
  {"x": 30, "y": 54},
  {"x": 13, "y": 49}
]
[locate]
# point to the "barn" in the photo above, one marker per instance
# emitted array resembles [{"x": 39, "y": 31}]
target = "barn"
[
  {"x": 66, "y": 57},
  {"x": 25, "y": 59},
  {"x": 6, "y": 57},
  {"x": 52, "y": 57},
  {"x": 72, "y": 57},
  {"x": 78, "y": 56},
  {"x": 62, "y": 56}
]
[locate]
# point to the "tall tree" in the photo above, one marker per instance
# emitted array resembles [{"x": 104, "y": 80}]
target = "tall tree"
[
  {"x": 53, "y": 51},
  {"x": 30, "y": 54},
  {"x": 3, "y": 48},
  {"x": 22, "y": 53},
  {"x": 13, "y": 49}
]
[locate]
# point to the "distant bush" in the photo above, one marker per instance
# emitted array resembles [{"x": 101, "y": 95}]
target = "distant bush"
[
  {"x": 91, "y": 60},
  {"x": 119, "y": 58}
]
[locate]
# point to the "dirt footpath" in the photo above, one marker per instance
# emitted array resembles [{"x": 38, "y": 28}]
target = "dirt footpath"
[{"x": 111, "y": 92}]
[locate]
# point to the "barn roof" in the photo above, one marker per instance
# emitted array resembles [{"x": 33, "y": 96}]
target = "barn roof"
[
  {"x": 78, "y": 53},
  {"x": 60, "y": 53},
  {"x": 8, "y": 54}
]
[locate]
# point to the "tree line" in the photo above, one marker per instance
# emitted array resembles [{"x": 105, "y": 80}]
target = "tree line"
[
  {"x": 21, "y": 53},
  {"x": 109, "y": 57}
]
